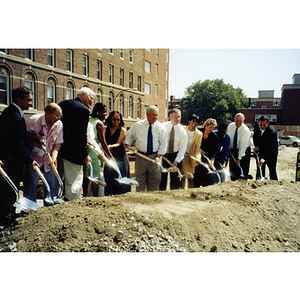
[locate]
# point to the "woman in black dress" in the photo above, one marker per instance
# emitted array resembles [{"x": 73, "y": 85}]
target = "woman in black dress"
[
  {"x": 209, "y": 149},
  {"x": 115, "y": 135}
]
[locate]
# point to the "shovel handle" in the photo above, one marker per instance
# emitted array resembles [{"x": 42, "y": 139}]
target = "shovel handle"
[
  {"x": 165, "y": 159},
  {"x": 142, "y": 155}
]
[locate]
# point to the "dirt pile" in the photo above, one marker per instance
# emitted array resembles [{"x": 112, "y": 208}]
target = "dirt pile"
[{"x": 240, "y": 216}]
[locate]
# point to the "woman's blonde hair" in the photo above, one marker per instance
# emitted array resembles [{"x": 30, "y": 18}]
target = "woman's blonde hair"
[{"x": 210, "y": 121}]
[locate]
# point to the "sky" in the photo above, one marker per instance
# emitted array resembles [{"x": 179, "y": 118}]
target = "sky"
[{"x": 249, "y": 69}]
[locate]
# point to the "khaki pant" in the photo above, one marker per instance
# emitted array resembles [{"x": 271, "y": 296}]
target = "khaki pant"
[{"x": 148, "y": 175}]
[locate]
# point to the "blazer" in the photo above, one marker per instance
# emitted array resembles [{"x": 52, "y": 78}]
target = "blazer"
[
  {"x": 13, "y": 138},
  {"x": 75, "y": 120},
  {"x": 267, "y": 143},
  {"x": 188, "y": 164}
]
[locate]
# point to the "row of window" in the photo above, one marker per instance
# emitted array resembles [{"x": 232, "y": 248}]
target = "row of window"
[
  {"x": 275, "y": 103},
  {"x": 29, "y": 82}
]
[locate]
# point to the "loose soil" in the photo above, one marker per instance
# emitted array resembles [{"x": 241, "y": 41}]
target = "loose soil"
[{"x": 240, "y": 216}]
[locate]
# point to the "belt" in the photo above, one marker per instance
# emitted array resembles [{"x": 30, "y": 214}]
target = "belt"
[{"x": 145, "y": 153}]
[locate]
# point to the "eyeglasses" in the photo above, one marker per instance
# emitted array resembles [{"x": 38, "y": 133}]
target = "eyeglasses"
[
  {"x": 57, "y": 117},
  {"x": 116, "y": 119}
]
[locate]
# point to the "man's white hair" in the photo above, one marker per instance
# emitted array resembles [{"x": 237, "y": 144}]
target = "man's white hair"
[
  {"x": 85, "y": 90},
  {"x": 151, "y": 107}
]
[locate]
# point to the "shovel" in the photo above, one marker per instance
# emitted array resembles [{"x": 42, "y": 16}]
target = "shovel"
[
  {"x": 202, "y": 163},
  {"x": 23, "y": 204},
  {"x": 214, "y": 169},
  {"x": 96, "y": 180},
  {"x": 120, "y": 179},
  {"x": 48, "y": 199},
  {"x": 149, "y": 159},
  {"x": 242, "y": 173},
  {"x": 61, "y": 185},
  {"x": 261, "y": 178},
  {"x": 175, "y": 169},
  {"x": 224, "y": 170}
]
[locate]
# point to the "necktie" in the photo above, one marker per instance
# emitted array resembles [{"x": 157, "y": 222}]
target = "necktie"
[
  {"x": 171, "y": 141},
  {"x": 150, "y": 140},
  {"x": 235, "y": 140}
]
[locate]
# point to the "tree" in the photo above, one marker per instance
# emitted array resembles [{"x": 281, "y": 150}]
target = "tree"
[{"x": 213, "y": 99}]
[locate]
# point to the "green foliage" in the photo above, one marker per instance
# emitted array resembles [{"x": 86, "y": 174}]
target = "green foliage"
[{"x": 213, "y": 99}]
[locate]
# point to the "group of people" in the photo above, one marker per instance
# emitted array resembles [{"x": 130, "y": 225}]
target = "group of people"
[{"x": 69, "y": 127}]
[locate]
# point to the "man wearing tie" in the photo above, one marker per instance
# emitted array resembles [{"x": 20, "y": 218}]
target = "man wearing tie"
[
  {"x": 266, "y": 144},
  {"x": 13, "y": 151},
  {"x": 239, "y": 135},
  {"x": 149, "y": 137},
  {"x": 176, "y": 146}
]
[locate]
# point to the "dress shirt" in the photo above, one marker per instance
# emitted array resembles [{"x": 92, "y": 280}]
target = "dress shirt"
[
  {"x": 190, "y": 136},
  {"x": 243, "y": 141},
  {"x": 19, "y": 108},
  {"x": 180, "y": 141},
  {"x": 37, "y": 125},
  {"x": 138, "y": 134}
]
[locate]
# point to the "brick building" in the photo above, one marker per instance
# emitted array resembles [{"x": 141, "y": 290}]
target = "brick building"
[
  {"x": 126, "y": 80},
  {"x": 283, "y": 112}
]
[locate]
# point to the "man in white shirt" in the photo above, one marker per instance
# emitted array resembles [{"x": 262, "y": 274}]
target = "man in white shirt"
[
  {"x": 239, "y": 135},
  {"x": 149, "y": 137},
  {"x": 176, "y": 146}
]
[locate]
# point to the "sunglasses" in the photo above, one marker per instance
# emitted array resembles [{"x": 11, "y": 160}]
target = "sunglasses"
[{"x": 116, "y": 119}]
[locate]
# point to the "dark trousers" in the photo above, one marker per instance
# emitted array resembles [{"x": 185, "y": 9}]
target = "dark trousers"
[
  {"x": 174, "y": 179},
  {"x": 271, "y": 163},
  {"x": 235, "y": 172},
  {"x": 7, "y": 194}
]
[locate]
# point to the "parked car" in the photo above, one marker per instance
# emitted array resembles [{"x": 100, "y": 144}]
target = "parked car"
[{"x": 289, "y": 140}]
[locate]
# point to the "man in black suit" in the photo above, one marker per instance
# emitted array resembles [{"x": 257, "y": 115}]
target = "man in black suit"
[
  {"x": 265, "y": 141},
  {"x": 13, "y": 151},
  {"x": 73, "y": 150}
]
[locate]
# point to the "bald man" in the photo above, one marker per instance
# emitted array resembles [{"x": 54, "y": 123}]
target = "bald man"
[{"x": 49, "y": 127}]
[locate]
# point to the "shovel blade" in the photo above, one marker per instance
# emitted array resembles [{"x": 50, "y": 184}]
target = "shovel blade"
[
  {"x": 26, "y": 204},
  {"x": 126, "y": 180},
  {"x": 58, "y": 200},
  {"x": 97, "y": 180}
]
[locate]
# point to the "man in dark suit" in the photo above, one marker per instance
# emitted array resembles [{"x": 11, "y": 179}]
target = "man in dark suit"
[
  {"x": 265, "y": 141},
  {"x": 73, "y": 150},
  {"x": 13, "y": 151}
]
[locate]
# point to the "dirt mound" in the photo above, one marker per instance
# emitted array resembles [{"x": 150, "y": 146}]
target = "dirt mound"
[{"x": 240, "y": 216}]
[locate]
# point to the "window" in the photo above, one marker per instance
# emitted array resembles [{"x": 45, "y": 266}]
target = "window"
[
  {"x": 70, "y": 61},
  {"x": 51, "y": 57},
  {"x": 99, "y": 96},
  {"x": 3, "y": 51},
  {"x": 157, "y": 52},
  {"x": 121, "y": 77},
  {"x": 122, "y": 53},
  {"x": 276, "y": 103},
  {"x": 131, "y": 55},
  {"x": 4, "y": 86},
  {"x": 111, "y": 74},
  {"x": 139, "y": 83},
  {"x": 99, "y": 69},
  {"x": 111, "y": 51},
  {"x": 148, "y": 49},
  {"x": 138, "y": 111},
  {"x": 253, "y": 103},
  {"x": 85, "y": 65},
  {"x": 147, "y": 66},
  {"x": 70, "y": 90},
  {"x": 131, "y": 80},
  {"x": 156, "y": 90},
  {"x": 50, "y": 90},
  {"x": 29, "y": 54},
  {"x": 29, "y": 83},
  {"x": 272, "y": 118},
  {"x": 263, "y": 106},
  {"x": 110, "y": 101},
  {"x": 147, "y": 88},
  {"x": 130, "y": 107},
  {"x": 156, "y": 70},
  {"x": 121, "y": 104}
]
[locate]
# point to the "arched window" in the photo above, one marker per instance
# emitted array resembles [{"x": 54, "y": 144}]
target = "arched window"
[
  {"x": 70, "y": 90},
  {"x": 110, "y": 101},
  {"x": 4, "y": 86},
  {"x": 130, "y": 107},
  {"x": 99, "y": 96},
  {"x": 121, "y": 104},
  {"x": 51, "y": 90},
  {"x": 138, "y": 111},
  {"x": 29, "y": 83}
]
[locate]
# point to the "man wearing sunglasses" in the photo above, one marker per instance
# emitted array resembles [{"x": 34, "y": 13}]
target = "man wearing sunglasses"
[{"x": 45, "y": 126}]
